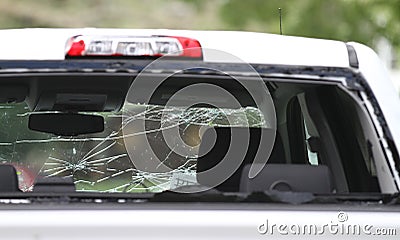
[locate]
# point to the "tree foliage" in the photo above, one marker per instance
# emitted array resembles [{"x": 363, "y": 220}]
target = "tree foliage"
[{"x": 356, "y": 20}]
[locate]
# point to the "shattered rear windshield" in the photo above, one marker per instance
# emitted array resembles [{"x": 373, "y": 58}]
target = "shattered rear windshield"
[{"x": 107, "y": 161}]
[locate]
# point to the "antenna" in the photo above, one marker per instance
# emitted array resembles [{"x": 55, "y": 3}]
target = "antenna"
[{"x": 280, "y": 19}]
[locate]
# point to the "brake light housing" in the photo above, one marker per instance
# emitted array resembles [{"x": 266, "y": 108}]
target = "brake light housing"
[{"x": 133, "y": 46}]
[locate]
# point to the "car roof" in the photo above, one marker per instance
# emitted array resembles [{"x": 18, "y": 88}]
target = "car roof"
[{"x": 250, "y": 47}]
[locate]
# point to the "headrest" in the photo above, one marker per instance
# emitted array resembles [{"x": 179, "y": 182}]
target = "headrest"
[{"x": 54, "y": 184}]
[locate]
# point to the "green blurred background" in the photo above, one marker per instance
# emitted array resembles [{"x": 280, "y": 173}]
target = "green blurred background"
[{"x": 372, "y": 22}]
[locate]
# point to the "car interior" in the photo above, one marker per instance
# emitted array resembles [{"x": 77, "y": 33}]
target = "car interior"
[{"x": 319, "y": 145}]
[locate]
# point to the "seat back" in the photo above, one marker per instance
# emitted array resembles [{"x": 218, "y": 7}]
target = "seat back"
[
  {"x": 288, "y": 177},
  {"x": 8, "y": 178},
  {"x": 214, "y": 148}
]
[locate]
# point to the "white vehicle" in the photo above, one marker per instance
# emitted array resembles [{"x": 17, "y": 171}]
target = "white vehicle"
[{"x": 149, "y": 134}]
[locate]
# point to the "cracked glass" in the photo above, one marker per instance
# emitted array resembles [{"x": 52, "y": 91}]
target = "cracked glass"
[{"x": 100, "y": 162}]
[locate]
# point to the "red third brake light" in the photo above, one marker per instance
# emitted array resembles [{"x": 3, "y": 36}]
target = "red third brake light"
[
  {"x": 77, "y": 48},
  {"x": 191, "y": 47},
  {"x": 153, "y": 46}
]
